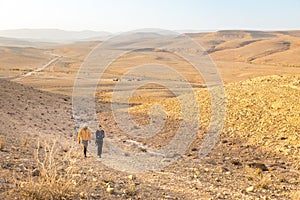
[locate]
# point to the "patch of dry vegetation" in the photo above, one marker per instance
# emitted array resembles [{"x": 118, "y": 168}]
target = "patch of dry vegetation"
[
  {"x": 57, "y": 170},
  {"x": 53, "y": 177},
  {"x": 2, "y": 142}
]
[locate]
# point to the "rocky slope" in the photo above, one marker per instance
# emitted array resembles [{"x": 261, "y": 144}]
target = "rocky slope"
[{"x": 257, "y": 156}]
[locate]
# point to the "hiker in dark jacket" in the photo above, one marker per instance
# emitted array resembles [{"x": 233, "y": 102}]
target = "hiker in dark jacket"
[{"x": 99, "y": 139}]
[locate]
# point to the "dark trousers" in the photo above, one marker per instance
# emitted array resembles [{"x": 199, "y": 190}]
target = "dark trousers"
[
  {"x": 85, "y": 145},
  {"x": 84, "y": 150},
  {"x": 100, "y": 144}
]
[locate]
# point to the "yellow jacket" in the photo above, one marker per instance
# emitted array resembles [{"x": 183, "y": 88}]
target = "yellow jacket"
[{"x": 84, "y": 134}]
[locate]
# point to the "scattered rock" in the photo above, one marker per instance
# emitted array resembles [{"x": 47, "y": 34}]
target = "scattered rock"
[
  {"x": 110, "y": 190},
  {"x": 118, "y": 192},
  {"x": 250, "y": 189},
  {"x": 169, "y": 197},
  {"x": 194, "y": 149},
  {"x": 18, "y": 169},
  {"x": 166, "y": 160},
  {"x": 36, "y": 172},
  {"x": 217, "y": 179},
  {"x": 261, "y": 166},
  {"x": 137, "y": 183},
  {"x": 124, "y": 191},
  {"x": 131, "y": 177},
  {"x": 206, "y": 169},
  {"x": 82, "y": 194},
  {"x": 224, "y": 141},
  {"x": 117, "y": 187},
  {"x": 283, "y": 138},
  {"x": 236, "y": 162},
  {"x": 7, "y": 166},
  {"x": 142, "y": 149},
  {"x": 228, "y": 173}
]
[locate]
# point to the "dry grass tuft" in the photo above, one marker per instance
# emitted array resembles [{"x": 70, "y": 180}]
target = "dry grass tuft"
[
  {"x": 131, "y": 189},
  {"x": 2, "y": 142},
  {"x": 253, "y": 174},
  {"x": 53, "y": 178},
  {"x": 66, "y": 147},
  {"x": 264, "y": 183}
]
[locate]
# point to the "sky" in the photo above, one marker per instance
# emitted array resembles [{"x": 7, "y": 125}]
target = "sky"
[{"x": 127, "y": 15}]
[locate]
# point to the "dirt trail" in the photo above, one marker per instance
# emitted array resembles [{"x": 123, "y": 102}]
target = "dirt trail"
[{"x": 41, "y": 68}]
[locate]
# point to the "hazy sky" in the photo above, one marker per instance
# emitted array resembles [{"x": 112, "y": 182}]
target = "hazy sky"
[{"x": 125, "y": 15}]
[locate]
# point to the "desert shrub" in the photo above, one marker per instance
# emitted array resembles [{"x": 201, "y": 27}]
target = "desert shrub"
[
  {"x": 28, "y": 70},
  {"x": 54, "y": 177},
  {"x": 14, "y": 69},
  {"x": 131, "y": 189}
]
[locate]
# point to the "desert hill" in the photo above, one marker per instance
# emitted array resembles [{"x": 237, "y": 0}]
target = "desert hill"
[
  {"x": 13, "y": 42},
  {"x": 252, "y": 46},
  {"x": 18, "y": 60},
  {"x": 239, "y": 55},
  {"x": 259, "y": 146}
]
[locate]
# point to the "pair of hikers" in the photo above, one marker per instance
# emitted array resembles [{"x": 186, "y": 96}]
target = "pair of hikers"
[{"x": 85, "y": 137}]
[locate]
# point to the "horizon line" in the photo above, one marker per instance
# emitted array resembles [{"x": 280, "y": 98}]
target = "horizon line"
[{"x": 177, "y": 30}]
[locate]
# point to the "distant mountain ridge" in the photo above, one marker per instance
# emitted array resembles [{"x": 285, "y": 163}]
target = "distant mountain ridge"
[
  {"x": 13, "y": 42},
  {"x": 52, "y": 35}
]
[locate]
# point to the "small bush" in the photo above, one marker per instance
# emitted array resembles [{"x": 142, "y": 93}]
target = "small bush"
[
  {"x": 131, "y": 189},
  {"x": 14, "y": 69},
  {"x": 53, "y": 178}
]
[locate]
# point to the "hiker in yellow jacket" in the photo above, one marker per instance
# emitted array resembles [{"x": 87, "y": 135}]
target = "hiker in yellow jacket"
[{"x": 85, "y": 137}]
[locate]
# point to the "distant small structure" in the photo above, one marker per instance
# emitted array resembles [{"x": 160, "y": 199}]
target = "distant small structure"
[{"x": 134, "y": 79}]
